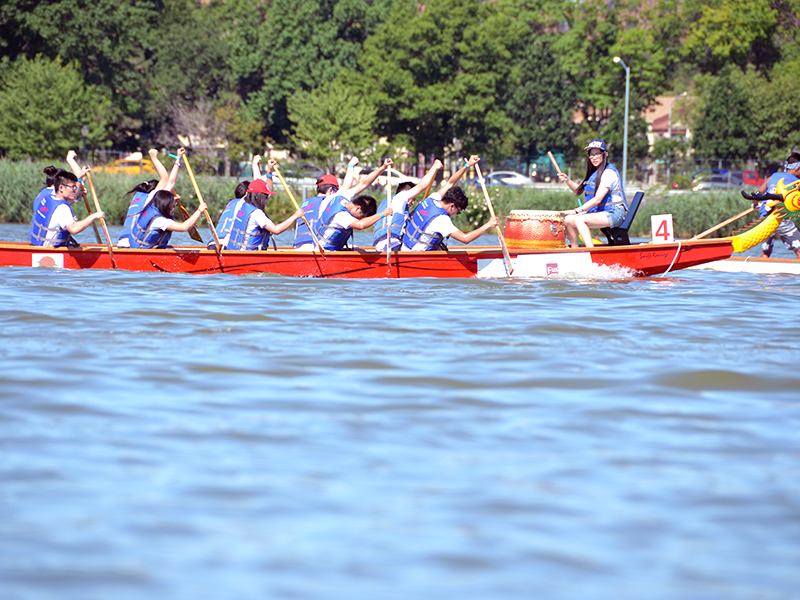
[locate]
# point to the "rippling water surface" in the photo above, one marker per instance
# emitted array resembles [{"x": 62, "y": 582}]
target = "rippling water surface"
[{"x": 176, "y": 436}]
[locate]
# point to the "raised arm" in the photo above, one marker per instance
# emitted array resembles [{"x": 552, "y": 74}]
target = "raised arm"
[
  {"x": 349, "y": 177},
  {"x": 427, "y": 179},
  {"x": 160, "y": 169},
  {"x": 73, "y": 164},
  {"x": 268, "y": 170},
  {"x": 456, "y": 177},
  {"x": 256, "y": 168},
  {"x": 370, "y": 179},
  {"x": 169, "y": 183}
]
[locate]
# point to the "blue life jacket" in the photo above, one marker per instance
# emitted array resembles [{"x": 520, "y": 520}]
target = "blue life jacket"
[
  {"x": 240, "y": 239},
  {"x": 425, "y": 212},
  {"x": 606, "y": 205},
  {"x": 44, "y": 210},
  {"x": 398, "y": 222},
  {"x": 41, "y": 195},
  {"x": 227, "y": 217},
  {"x": 137, "y": 204},
  {"x": 772, "y": 187},
  {"x": 331, "y": 236},
  {"x": 310, "y": 209},
  {"x": 144, "y": 237}
]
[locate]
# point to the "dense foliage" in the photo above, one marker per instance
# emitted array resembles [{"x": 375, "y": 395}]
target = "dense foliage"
[{"x": 500, "y": 77}]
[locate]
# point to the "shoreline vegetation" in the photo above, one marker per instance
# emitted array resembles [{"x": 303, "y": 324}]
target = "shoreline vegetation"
[{"x": 21, "y": 182}]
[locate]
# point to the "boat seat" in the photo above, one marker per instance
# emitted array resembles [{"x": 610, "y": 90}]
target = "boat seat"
[{"x": 618, "y": 236}]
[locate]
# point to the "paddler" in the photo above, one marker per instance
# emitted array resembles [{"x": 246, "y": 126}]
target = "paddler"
[
  {"x": 327, "y": 186},
  {"x": 335, "y": 217},
  {"x": 154, "y": 226},
  {"x": 406, "y": 194},
  {"x": 232, "y": 208},
  {"x": 53, "y": 222},
  {"x": 432, "y": 225},
  {"x": 144, "y": 192},
  {"x": 252, "y": 228},
  {"x": 786, "y": 231},
  {"x": 604, "y": 204}
]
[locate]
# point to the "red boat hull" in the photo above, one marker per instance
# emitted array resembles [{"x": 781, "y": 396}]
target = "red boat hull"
[{"x": 465, "y": 262}]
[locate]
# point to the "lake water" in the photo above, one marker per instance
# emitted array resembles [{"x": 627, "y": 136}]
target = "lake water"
[{"x": 176, "y": 436}]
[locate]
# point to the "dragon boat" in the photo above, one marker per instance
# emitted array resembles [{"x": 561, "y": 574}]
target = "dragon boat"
[
  {"x": 368, "y": 263},
  {"x": 638, "y": 260}
]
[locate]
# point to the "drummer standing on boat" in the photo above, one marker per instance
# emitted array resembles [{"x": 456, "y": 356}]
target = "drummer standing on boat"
[
  {"x": 605, "y": 204},
  {"x": 786, "y": 231}
]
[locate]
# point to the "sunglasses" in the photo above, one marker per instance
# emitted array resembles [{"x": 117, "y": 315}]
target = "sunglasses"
[{"x": 595, "y": 153}]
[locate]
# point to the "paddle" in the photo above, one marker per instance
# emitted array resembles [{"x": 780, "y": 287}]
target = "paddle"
[
  {"x": 389, "y": 219},
  {"x": 102, "y": 220},
  {"x": 205, "y": 212},
  {"x": 94, "y": 223},
  {"x": 297, "y": 207},
  {"x": 193, "y": 233},
  {"x": 500, "y": 237},
  {"x": 721, "y": 225}
]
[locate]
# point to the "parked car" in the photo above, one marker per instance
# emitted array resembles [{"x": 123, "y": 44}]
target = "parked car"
[
  {"x": 503, "y": 179},
  {"x": 746, "y": 177},
  {"x": 490, "y": 181},
  {"x": 131, "y": 165},
  {"x": 717, "y": 182},
  {"x": 512, "y": 178}
]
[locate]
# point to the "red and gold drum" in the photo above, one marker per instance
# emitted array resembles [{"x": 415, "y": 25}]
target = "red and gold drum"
[{"x": 534, "y": 229}]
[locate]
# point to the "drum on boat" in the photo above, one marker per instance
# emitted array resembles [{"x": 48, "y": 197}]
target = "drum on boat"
[{"x": 534, "y": 229}]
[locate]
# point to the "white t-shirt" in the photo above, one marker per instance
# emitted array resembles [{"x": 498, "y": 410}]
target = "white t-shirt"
[
  {"x": 343, "y": 219},
  {"x": 258, "y": 220},
  {"x": 62, "y": 216},
  {"x": 399, "y": 204},
  {"x": 611, "y": 180},
  {"x": 442, "y": 224},
  {"x": 160, "y": 223}
]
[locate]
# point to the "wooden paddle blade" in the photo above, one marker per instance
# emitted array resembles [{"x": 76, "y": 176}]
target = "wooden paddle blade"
[{"x": 193, "y": 233}]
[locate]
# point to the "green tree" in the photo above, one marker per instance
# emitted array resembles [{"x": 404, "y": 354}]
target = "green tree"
[
  {"x": 332, "y": 120},
  {"x": 721, "y": 32},
  {"x": 44, "y": 105},
  {"x": 290, "y": 45},
  {"x": 776, "y": 123},
  {"x": 542, "y": 113},
  {"x": 724, "y": 128},
  {"x": 443, "y": 77},
  {"x": 108, "y": 41}
]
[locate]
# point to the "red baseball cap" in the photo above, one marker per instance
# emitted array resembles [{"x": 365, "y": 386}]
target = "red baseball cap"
[
  {"x": 328, "y": 179},
  {"x": 259, "y": 186}
]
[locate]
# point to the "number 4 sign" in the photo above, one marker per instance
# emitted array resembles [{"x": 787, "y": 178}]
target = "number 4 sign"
[{"x": 661, "y": 228}]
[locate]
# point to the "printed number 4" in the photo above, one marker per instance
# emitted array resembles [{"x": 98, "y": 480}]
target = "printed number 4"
[{"x": 663, "y": 230}]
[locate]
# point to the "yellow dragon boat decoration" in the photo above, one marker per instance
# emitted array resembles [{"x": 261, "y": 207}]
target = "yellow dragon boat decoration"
[{"x": 758, "y": 231}]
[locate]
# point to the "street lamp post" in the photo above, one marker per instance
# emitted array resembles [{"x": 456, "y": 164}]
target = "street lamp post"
[
  {"x": 85, "y": 134},
  {"x": 669, "y": 130},
  {"x": 669, "y": 122},
  {"x": 617, "y": 59}
]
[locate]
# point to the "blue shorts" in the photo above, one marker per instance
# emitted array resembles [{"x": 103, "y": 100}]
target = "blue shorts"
[{"x": 617, "y": 216}]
